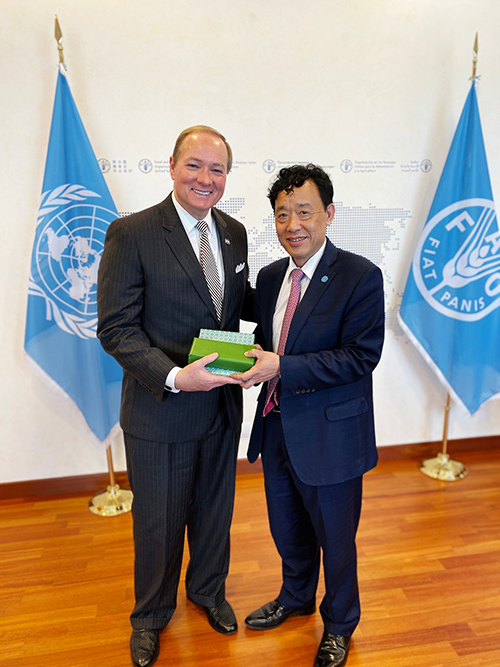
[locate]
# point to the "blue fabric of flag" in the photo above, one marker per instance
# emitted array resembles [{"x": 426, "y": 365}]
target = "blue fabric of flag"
[
  {"x": 451, "y": 303},
  {"x": 75, "y": 211}
]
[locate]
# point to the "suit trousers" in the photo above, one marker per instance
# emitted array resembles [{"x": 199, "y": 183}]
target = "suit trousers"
[
  {"x": 306, "y": 520},
  {"x": 179, "y": 485}
]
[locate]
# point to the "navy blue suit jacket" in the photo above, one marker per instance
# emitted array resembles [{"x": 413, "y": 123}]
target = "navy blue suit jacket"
[{"x": 334, "y": 343}]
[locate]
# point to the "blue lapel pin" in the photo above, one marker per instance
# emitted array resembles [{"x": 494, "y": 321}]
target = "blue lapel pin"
[{"x": 324, "y": 279}]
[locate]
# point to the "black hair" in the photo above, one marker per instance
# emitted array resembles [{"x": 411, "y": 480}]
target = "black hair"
[{"x": 295, "y": 177}]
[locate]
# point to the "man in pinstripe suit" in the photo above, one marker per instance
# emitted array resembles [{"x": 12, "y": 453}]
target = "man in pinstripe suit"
[{"x": 181, "y": 423}]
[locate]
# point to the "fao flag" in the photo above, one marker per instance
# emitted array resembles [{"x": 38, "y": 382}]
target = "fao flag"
[
  {"x": 451, "y": 303},
  {"x": 75, "y": 211}
]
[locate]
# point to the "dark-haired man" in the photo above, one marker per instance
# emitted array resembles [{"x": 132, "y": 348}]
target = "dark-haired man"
[
  {"x": 165, "y": 273},
  {"x": 320, "y": 318}
]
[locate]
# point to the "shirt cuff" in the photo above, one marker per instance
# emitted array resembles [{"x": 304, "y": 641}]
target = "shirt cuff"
[{"x": 170, "y": 381}]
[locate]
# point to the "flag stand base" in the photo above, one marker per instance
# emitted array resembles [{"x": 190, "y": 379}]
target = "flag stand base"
[
  {"x": 111, "y": 501},
  {"x": 443, "y": 468}
]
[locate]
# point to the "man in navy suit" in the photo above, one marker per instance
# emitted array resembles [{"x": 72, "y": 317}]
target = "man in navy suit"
[
  {"x": 181, "y": 423},
  {"x": 315, "y": 431}
]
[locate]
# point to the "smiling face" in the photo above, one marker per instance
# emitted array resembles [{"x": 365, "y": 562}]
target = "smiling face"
[
  {"x": 199, "y": 173},
  {"x": 301, "y": 221}
]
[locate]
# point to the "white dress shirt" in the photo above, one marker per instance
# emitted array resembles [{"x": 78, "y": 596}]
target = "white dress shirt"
[
  {"x": 189, "y": 223},
  {"x": 279, "y": 312}
]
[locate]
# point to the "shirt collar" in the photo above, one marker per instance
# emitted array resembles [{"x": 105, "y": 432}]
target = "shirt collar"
[
  {"x": 310, "y": 266},
  {"x": 187, "y": 219}
]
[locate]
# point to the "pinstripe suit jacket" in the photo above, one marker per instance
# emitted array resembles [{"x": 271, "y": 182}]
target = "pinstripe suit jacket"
[{"x": 152, "y": 301}]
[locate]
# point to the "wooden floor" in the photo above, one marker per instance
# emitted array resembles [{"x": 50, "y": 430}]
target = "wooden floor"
[{"x": 429, "y": 565}]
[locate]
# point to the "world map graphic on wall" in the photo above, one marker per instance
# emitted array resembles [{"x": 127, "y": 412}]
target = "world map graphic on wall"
[{"x": 372, "y": 232}]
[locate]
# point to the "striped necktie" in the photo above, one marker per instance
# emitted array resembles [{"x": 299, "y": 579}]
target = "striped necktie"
[
  {"x": 293, "y": 300},
  {"x": 207, "y": 261}
]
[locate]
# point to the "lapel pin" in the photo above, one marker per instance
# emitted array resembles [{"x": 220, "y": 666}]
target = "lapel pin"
[
  {"x": 227, "y": 241},
  {"x": 324, "y": 279}
]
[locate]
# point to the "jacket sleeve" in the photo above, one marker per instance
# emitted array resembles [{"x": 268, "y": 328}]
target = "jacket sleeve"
[{"x": 120, "y": 296}]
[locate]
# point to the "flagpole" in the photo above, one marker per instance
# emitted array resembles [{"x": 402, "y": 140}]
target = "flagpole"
[
  {"x": 442, "y": 467},
  {"x": 111, "y": 501},
  {"x": 58, "y": 36},
  {"x": 474, "y": 58}
]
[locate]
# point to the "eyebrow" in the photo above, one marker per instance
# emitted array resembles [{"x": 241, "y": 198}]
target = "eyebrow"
[
  {"x": 213, "y": 164},
  {"x": 282, "y": 207}
]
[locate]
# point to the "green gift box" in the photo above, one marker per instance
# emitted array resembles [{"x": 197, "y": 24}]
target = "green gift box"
[{"x": 231, "y": 357}]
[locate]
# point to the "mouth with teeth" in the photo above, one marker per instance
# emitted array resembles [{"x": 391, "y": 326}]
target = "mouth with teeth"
[
  {"x": 297, "y": 239},
  {"x": 202, "y": 193}
]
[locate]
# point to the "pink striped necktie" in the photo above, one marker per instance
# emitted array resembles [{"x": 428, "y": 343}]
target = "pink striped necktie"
[{"x": 293, "y": 300}]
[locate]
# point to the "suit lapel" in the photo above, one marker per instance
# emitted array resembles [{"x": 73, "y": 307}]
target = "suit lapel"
[
  {"x": 177, "y": 239},
  {"x": 272, "y": 290},
  {"x": 322, "y": 280}
]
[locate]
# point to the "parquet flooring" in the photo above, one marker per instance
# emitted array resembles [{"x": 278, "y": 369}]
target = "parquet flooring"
[{"x": 429, "y": 565}]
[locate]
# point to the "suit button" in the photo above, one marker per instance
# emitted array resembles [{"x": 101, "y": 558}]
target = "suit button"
[
  {"x": 313, "y": 389},
  {"x": 308, "y": 391},
  {"x": 297, "y": 391},
  {"x": 302, "y": 391}
]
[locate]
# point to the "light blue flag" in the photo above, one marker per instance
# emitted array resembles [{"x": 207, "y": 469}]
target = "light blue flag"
[
  {"x": 451, "y": 303},
  {"x": 75, "y": 211}
]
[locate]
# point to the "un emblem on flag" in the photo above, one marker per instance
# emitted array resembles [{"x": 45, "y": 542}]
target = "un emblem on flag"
[
  {"x": 457, "y": 263},
  {"x": 66, "y": 256}
]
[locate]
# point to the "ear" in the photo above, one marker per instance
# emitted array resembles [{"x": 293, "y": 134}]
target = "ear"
[
  {"x": 330, "y": 213},
  {"x": 172, "y": 167}
]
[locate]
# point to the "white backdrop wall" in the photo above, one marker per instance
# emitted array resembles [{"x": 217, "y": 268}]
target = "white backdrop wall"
[{"x": 372, "y": 90}]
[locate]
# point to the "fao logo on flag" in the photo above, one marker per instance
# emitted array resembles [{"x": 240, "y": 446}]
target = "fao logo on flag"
[
  {"x": 67, "y": 253},
  {"x": 457, "y": 262}
]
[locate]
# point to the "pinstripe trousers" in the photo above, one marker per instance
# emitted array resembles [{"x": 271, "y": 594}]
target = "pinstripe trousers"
[{"x": 177, "y": 486}]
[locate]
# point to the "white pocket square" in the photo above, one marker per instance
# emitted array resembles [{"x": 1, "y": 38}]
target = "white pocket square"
[{"x": 240, "y": 267}]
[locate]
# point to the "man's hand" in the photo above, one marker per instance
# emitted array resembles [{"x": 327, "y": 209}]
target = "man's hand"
[
  {"x": 267, "y": 365},
  {"x": 194, "y": 377}
]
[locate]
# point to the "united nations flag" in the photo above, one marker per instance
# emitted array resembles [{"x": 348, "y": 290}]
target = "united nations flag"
[
  {"x": 451, "y": 304},
  {"x": 75, "y": 211}
]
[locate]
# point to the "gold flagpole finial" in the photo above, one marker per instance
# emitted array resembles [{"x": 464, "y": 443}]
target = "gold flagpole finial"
[
  {"x": 474, "y": 59},
  {"x": 58, "y": 36}
]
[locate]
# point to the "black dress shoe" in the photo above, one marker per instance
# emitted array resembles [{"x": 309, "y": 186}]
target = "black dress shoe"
[
  {"x": 273, "y": 614},
  {"x": 144, "y": 647},
  {"x": 222, "y": 618},
  {"x": 332, "y": 651}
]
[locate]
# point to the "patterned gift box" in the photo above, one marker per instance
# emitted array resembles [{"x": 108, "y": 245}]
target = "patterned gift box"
[{"x": 230, "y": 346}]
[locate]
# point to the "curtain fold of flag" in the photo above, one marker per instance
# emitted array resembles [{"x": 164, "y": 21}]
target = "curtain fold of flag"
[
  {"x": 76, "y": 209},
  {"x": 451, "y": 303}
]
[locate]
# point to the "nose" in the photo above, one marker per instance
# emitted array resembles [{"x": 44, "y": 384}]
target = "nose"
[
  {"x": 293, "y": 222},
  {"x": 204, "y": 175}
]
